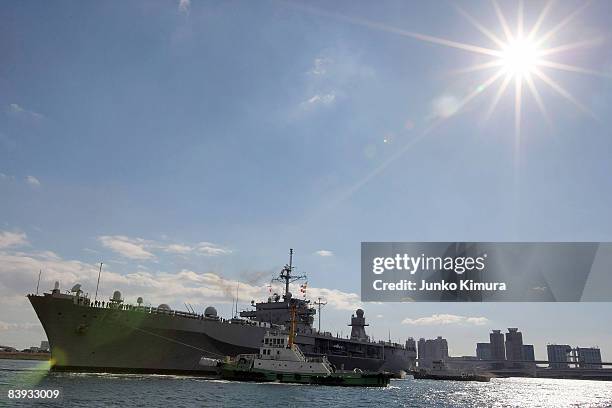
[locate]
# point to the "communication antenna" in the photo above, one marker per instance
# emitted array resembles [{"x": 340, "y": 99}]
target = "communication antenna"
[
  {"x": 38, "y": 284},
  {"x": 320, "y": 303},
  {"x": 237, "y": 287},
  {"x": 98, "y": 284},
  {"x": 286, "y": 277}
]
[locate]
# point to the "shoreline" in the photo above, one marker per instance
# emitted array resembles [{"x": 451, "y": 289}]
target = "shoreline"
[{"x": 18, "y": 355}]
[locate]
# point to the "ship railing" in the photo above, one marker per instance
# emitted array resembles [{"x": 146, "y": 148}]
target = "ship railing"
[
  {"x": 299, "y": 352},
  {"x": 321, "y": 359},
  {"x": 146, "y": 309}
]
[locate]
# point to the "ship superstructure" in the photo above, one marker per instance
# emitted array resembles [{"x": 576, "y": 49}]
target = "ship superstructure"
[{"x": 113, "y": 336}]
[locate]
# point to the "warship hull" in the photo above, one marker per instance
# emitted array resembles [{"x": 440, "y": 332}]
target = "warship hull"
[{"x": 87, "y": 338}]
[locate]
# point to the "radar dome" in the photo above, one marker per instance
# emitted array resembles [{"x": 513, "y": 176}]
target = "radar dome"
[
  {"x": 359, "y": 312},
  {"x": 210, "y": 312},
  {"x": 163, "y": 306},
  {"x": 116, "y": 296},
  {"x": 76, "y": 288},
  {"x": 139, "y": 300}
]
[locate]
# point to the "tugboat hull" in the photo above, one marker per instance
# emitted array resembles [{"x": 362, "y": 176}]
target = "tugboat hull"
[{"x": 336, "y": 379}]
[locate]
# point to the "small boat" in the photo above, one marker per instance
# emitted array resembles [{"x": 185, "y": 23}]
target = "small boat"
[
  {"x": 281, "y": 360},
  {"x": 440, "y": 372}
]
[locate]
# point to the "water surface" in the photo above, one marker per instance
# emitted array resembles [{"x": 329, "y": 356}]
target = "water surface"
[{"x": 127, "y": 390}]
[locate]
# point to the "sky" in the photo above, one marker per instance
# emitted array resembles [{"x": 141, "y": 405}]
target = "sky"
[{"x": 188, "y": 145}]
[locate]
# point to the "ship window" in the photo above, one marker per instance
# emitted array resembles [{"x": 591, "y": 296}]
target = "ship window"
[{"x": 277, "y": 352}]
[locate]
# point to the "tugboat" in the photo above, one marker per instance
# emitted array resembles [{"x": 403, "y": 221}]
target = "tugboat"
[
  {"x": 281, "y": 360},
  {"x": 440, "y": 372}
]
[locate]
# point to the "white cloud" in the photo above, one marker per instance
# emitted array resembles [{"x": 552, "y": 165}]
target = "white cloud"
[
  {"x": 210, "y": 249},
  {"x": 19, "y": 111},
  {"x": 178, "y": 249},
  {"x": 11, "y": 239},
  {"x": 138, "y": 248},
  {"x": 133, "y": 248},
  {"x": 323, "y": 99},
  {"x": 336, "y": 298},
  {"x": 324, "y": 252},
  {"x": 445, "y": 319},
  {"x": 33, "y": 181},
  {"x": 184, "y": 6}
]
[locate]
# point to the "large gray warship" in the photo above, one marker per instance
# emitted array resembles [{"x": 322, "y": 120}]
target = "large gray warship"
[{"x": 89, "y": 335}]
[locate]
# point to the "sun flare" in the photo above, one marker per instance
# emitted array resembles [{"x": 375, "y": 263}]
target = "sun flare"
[{"x": 519, "y": 57}]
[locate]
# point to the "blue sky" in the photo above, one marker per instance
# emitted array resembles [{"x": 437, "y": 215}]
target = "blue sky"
[{"x": 209, "y": 137}]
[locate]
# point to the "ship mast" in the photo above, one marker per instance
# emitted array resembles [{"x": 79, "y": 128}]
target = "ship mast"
[
  {"x": 320, "y": 302},
  {"x": 286, "y": 277}
]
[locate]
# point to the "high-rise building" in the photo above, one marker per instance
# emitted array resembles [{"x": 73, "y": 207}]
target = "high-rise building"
[
  {"x": 588, "y": 357},
  {"x": 558, "y": 355},
  {"x": 411, "y": 348},
  {"x": 483, "y": 351},
  {"x": 431, "y": 350},
  {"x": 528, "y": 352},
  {"x": 411, "y": 345},
  {"x": 421, "y": 350},
  {"x": 498, "y": 349},
  {"x": 514, "y": 344}
]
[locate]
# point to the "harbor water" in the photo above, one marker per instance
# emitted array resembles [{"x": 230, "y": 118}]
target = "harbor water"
[{"x": 127, "y": 390}]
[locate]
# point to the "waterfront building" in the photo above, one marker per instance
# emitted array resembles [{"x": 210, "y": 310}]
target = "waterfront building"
[
  {"x": 421, "y": 350},
  {"x": 411, "y": 345},
  {"x": 431, "y": 350},
  {"x": 587, "y": 357},
  {"x": 558, "y": 355},
  {"x": 498, "y": 349},
  {"x": 483, "y": 351},
  {"x": 528, "y": 352},
  {"x": 529, "y": 355},
  {"x": 514, "y": 344}
]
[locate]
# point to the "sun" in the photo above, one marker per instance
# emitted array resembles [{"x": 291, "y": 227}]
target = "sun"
[
  {"x": 519, "y": 57},
  {"x": 522, "y": 60}
]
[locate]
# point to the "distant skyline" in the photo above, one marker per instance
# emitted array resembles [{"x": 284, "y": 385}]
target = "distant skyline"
[{"x": 188, "y": 145}]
